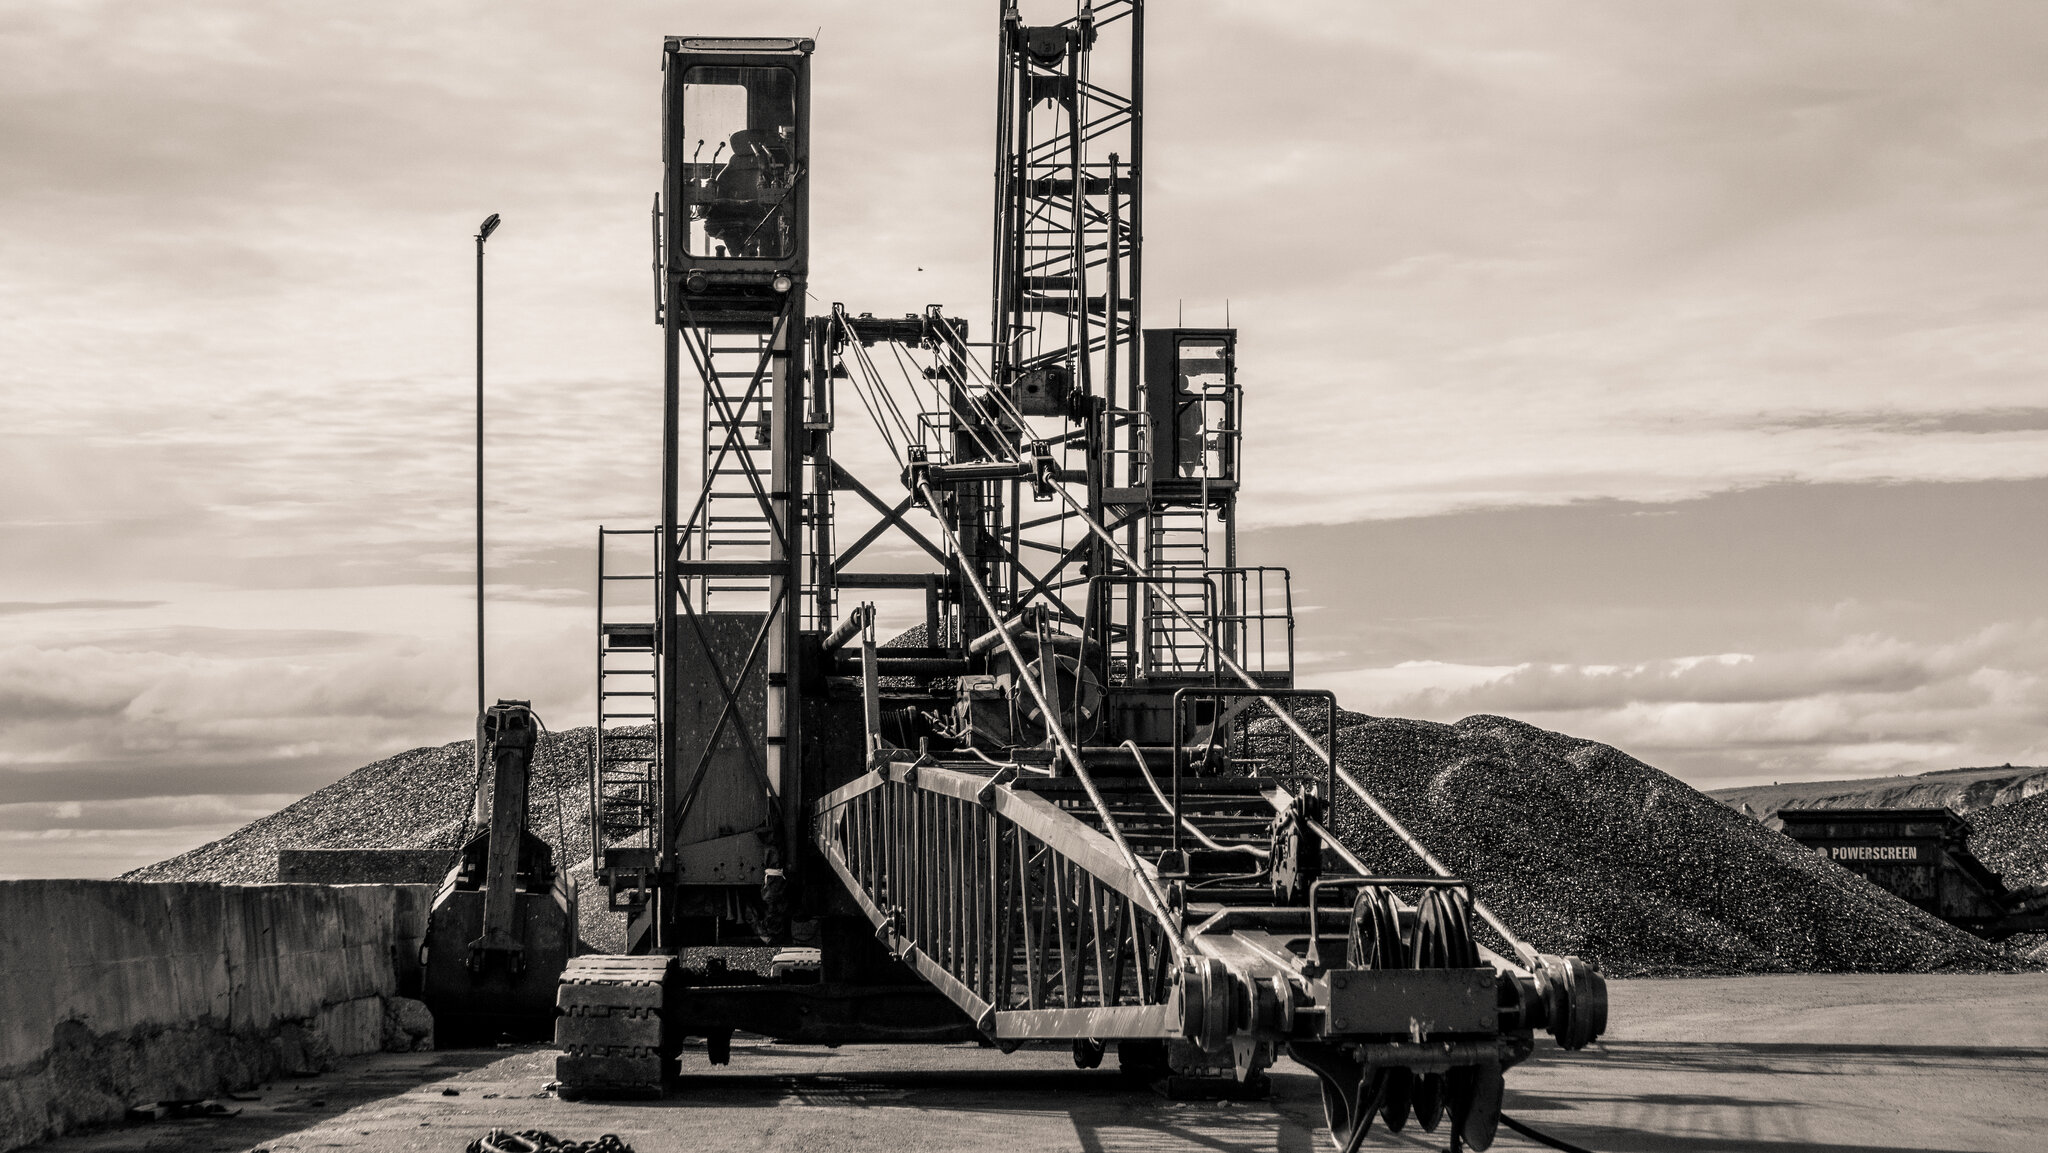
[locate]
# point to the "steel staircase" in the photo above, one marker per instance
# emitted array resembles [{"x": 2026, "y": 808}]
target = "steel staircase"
[
  {"x": 626, "y": 789},
  {"x": 733, "y": 523},
  {"x": 1177, "y": 553}
]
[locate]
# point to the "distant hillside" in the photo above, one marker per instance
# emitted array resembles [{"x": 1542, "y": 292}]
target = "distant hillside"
[{"x": 1964, "y": 790}]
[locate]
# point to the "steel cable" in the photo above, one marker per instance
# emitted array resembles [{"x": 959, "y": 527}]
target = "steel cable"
[
  {"x": 867, "y": 364},
  {"x": 1153, "y": 897},
  {"x": 1522, "y": 950},
  {"x": 561, "y": 826},
  {"x": 860, "y": 390},
  {"x": 1542, "y": 1138},
  {"x": 939, "y": 398}
]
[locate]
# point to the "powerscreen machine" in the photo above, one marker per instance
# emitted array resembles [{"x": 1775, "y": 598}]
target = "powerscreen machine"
[{"x": 1032, "y": 818}]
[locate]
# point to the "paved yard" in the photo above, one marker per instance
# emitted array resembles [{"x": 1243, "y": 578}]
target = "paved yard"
[{"x": 1765, "y": 1064}]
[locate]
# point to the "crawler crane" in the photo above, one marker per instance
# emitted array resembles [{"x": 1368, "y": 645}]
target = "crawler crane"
[{"x": 1017, "y": 823}]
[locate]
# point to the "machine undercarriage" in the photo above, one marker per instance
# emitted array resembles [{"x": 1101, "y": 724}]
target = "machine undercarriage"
[{"x": 1020, "y": 821}]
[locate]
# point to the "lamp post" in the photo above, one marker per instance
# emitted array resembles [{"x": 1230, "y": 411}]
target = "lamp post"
[{"x": 483, "y": 233}]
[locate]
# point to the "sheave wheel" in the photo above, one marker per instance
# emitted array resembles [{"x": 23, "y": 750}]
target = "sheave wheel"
[{"x": 1471, "y": 1094}]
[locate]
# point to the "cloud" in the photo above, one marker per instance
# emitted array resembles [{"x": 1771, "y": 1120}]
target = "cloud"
[
  {"x": 1870, "y": 703},
  {"x": 1984, "y": 422},
  {"x": 1588, "y": 257},
  {"x": 16, "y": 608},
  {"x": 1860, "y": 665},
  {"x": 1568, "y": 259},
  {"x": 71, "y": 819},
  {"x": 1792, "y": 632},
  {"x": 210, "y": 706}
]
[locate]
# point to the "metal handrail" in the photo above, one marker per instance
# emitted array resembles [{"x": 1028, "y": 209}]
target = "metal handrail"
[
  {"x": 1207, "y": 841},
  {"x": 1135, "y": 652},
  {"x": 1240, "y": 583},
  {"x": 1225, "y": 692},
  {"x": 1315, "y": 924}
]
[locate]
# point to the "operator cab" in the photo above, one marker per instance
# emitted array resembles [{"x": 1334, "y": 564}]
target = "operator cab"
[
  {"x": 1191, "y": 408},
  {"x": 738, "y": 112}
]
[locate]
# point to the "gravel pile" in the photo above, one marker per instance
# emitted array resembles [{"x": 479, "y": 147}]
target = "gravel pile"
[
  {"x": 1579, "y": 847},
  {"x": 2012, "y": 840},
  {"x": 418, "y": 799},
  {"x": 1585, "y": 850}
]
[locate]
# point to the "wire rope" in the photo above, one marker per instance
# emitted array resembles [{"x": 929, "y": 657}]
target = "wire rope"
[
  {"x": 1287, "y": 718},
  {"x": 860, "y": 390},
  {"x": 875, "y": 380},
  {"x": 1153, "y": 897}
]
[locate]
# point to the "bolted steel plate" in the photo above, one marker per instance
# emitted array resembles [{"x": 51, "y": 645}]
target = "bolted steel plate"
[{"x": 1408, "y": 1002}]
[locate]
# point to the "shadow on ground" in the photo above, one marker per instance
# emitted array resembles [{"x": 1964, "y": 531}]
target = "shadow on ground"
[{"x": 1625, "y": 1097}]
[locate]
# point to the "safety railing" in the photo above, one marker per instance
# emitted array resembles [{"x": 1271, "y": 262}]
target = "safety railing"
[
  {"x": 1144, "y": 652},
  {"x": 1219, "y": 693},
  {"x": 1004, "y": 902},
  {"x": 1255, "y": 617},
  {"x": 625, "y": 765}
]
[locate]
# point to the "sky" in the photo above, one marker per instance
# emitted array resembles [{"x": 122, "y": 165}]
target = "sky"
[{"x": 1663, "y": 373}]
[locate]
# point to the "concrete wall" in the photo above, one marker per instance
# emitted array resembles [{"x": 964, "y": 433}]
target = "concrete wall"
[{"x": 114, "y": 993}]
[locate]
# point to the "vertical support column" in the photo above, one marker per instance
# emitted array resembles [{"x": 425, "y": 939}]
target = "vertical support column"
[
  {"x": 736, "y": 257},
  {"x": 669, "y": 589},
  {"x": 818, "y": 432},
  {"x": 1077, "y": 226},
  {"x": 1135, "y": 225},
  {"x": 785, "y": 589},
  {"x": 784, "y": 585}
]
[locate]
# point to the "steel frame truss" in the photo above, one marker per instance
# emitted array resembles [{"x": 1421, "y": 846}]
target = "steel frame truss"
[{"x": 1022, "y": 915}]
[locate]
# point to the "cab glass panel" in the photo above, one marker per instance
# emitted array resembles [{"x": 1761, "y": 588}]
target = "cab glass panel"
[{"x": 741, "y": 161}]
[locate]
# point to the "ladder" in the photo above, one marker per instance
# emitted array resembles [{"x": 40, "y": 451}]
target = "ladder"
[
  {"x": 1177, "y": 555},
  {"x": 732, "y": 523},
  {"x": 625, "y": 794}
]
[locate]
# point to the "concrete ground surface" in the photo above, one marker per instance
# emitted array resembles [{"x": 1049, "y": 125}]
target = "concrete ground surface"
[{"x": 1873, "y": 1064}]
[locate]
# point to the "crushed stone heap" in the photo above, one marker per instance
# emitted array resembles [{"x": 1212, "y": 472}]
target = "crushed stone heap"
[
  {"x": 1583, "y": 849},
  {"x": 2012, "y": 840},
  {"x": 419, "y": 799},
  {"x": 1580, "y": 847}
]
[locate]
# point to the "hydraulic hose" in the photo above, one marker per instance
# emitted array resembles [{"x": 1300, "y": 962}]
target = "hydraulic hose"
[{"x": 1190, "y": 826}]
